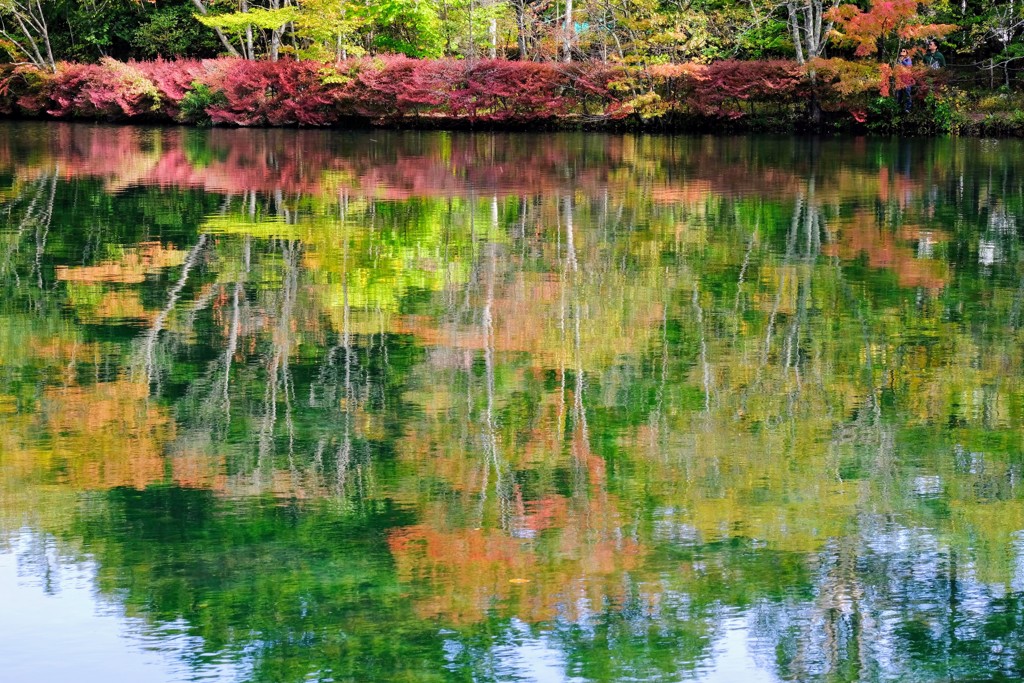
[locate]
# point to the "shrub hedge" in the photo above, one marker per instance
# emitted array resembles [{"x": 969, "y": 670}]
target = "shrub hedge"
[{"x": 398, "y": 91}]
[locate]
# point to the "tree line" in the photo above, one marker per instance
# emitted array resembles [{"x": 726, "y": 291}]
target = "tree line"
[{"x": 44, "y": 32}]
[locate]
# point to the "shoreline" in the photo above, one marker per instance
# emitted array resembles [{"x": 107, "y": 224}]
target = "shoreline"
[{"x": 1002, "y": 128}]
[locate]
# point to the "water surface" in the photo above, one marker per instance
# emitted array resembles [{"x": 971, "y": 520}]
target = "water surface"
[{"x": 323, "y": 406}]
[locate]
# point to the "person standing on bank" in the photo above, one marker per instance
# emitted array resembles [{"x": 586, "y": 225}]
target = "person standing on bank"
[
  {"x": 906, "y": 61},
  {"x": 933, "y": 58}
]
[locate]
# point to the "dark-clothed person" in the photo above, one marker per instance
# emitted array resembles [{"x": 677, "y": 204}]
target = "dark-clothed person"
[{"x": 933, "y": 58}]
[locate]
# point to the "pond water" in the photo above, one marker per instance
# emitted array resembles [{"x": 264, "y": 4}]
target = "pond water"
[{"x": 398, "y": 406}]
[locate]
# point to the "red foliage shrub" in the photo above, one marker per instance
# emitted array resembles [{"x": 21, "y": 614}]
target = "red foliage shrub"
[
  {"x": 303, "y": 95},
  {"x": 677, "y": 81},
  {"x": 66, "y": 94},
  {"x": 598, "y": 87},
  {"x": 248, "y": 90},
  {"x": 673, "y": 88},
  {"x": 24, "y": 89},
  {"x": 391, "y": 88},
  {"x": 376, "y": 86},
  {"x": 172, "y": 79},
  {"x": 379, "y": 90},
  {"x": 109, "y": 90},
  {"x": 394, "y": 88},
  {"x": 499, "y": 90},
  {"x": 259, "y": 93},
  {"x": 725, "y": 84}
]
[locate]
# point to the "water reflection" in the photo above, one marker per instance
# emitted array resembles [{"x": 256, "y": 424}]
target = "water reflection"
[
  {"x": 55, "y": 627},
  {"x": 407, "y": 406}
]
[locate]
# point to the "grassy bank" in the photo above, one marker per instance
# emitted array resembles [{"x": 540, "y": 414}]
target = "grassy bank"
[{"x": 769, "y": 95}]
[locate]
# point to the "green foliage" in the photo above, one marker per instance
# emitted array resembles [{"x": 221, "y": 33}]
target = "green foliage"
[
  {"x": 948, "y": 110},
  {"x": 329, "y": 29},
  {"x": 770, "y": 39},
  {"x": 408, "y": 27},
  {"x": 171, "y": 31},
  {"x": 85, "y": 31},
  {"x": 886, "y": 115},
  {"x": 259, "y": 18},
  {"x": 938, "y": 112},
  {"x": 194, "y": 105}
]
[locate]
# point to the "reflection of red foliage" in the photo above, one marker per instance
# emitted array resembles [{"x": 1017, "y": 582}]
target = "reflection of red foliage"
[
  {"x": 314, "y": 162},
  {"x": 861, "y": 235},
  {"x": 555, "y": 554}
]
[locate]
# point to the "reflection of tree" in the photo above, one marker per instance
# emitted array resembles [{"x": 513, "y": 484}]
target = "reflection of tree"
[
  {"x": 149, "y": 342},
  {"x": 620, "y": 404},
  {"x": 28, "y": 216}
]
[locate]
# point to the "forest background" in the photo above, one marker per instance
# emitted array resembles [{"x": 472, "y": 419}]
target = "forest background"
[{"x": 759, "y": 64}]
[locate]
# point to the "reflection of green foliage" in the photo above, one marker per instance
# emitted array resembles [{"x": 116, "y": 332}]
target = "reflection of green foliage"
[
  {"x": 712, "y": 400},
  {"x": 315, "y": 583},
  {"x": 423, "y": 245}
]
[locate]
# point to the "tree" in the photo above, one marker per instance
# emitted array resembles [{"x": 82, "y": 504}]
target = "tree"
[
  {"x": 886, "y": 27},
  {"x": 470, "y": 27},
  {"x": 523, "y": 14},
  {"x": 24, "y": 28},
  {"x": 410, "y": 27},
  {"x": 220, "y": 34},
  {"x": 809, "y": 27},
  {"x": 330, "y": 29},
  {"x": 273, "y": 20},
  {"x": 568, "y": 31},
  {"x": 1003, "y": 24}
]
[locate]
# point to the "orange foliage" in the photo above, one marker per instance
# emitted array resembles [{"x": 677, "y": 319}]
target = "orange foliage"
[
  {"x": 199, "y": 470},
  {"x": 137, "y": 262},
  {"x": 107, "y": 434},
  {"x": 884, "y": 18},
  {"x": 861, "y": 235}
]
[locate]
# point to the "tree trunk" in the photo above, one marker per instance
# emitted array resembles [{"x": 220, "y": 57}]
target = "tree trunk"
[
  {"x": 471, "y": 52},
  {"x": 567, "y": 44},
  {"x": 34, "y": 36},
  {"x": 275, "y": 44},
  {"x": 220, "y": 34},
  {"x": 521, "y": 25},
  {"x": 809, "y": 31},
  {"x": 794, "y": 26},
  {"x": 813, "y": 105},
  {"x": 46, "y": 37},
  {"x": 247, "y": 50},
  {"x": 275, "y": 35}
]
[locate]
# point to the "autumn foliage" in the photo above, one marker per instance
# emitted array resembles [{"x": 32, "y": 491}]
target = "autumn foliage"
[
  {"x": 884, "y": 19},
  {"x": 403, "y": 91}
]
